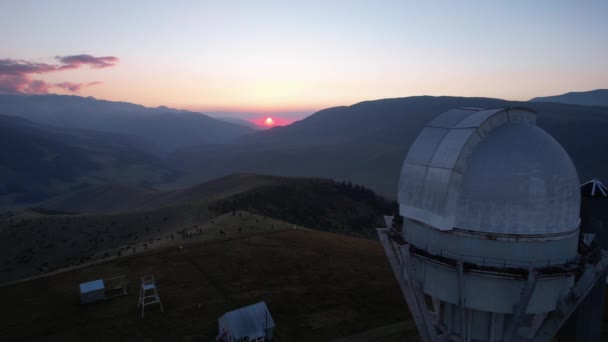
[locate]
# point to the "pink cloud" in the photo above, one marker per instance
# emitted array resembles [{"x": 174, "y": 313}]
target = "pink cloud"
[
  {"x": 13, "y": 83},
  {"x": 37, "y": 87},
  {"x": 15, "y": 74},
  {"x": 22, "y": 84}
]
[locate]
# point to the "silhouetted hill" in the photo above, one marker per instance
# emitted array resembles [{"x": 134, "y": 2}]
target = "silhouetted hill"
[
  {"x": 338, "y": 207},
  {"x": 239, "y": 121},
  {"x": 598, "y": 97},
  {"x": 367, "y": 142},
  {"x": 39, "y": 161},
  {"x": 163, "y": 128}
]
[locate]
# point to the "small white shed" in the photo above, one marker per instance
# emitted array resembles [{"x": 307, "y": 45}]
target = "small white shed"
[
  {"x": 101, "y": 289},
  {"x": 251, "y": 323},
  {"x": 92, "y": 291}
]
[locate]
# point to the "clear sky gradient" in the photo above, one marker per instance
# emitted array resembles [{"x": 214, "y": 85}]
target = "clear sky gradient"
[{"x": 298, "y": 57}]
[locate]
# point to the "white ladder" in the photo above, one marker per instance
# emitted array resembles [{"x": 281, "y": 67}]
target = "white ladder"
[{"x": 148, "y": 294}]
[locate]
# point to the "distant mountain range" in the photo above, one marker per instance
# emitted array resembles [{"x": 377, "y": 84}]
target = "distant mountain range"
[
  {"x": 367, "y": 142},
  {"x": 364, "y": 143},
  {"x": 38, "y": 161},
  {"x": 598, "y": 97},
  {"x": 162, "y": 128}
]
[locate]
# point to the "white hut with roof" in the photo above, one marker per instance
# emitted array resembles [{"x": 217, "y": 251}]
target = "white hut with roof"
[{"x": 251, "y": 323}]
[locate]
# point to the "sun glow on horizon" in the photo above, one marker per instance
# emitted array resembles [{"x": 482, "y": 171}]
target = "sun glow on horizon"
[
  {"x": 265, "y": 122},
  {"x": 269, "y": 121}
]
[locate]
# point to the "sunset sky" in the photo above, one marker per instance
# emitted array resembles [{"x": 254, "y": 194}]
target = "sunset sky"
[{"x": 292, "y": 58}]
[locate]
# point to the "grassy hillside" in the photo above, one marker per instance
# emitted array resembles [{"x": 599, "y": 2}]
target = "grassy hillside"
[
  {"x": 34, "y": 241},
  {"x": 106, "y": 199},
  {"x": 318, "y": 286},
  {"x": 331, "y": 206}
]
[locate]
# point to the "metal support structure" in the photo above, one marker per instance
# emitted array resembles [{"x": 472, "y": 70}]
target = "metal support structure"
[
  {"x": 541, "y": 328},
  {"x": 570, "y": 301},
  {"x": 596, "y": 185},
  {"x": 420, "y": 313},
  {"x": 115, "y": 287},
  {"x": 520, "y": 309},
  {"x": 463, "y": 330}
]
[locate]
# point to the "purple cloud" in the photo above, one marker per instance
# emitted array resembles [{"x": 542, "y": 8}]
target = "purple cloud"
[
  {"x": 74, "y": 87},
  {"x": 20, "y": 67},
  {"x": 73, "y": 62},
  {"x": 15, "y": 74}
]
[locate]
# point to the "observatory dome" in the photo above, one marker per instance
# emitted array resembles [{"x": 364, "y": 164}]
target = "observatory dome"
[{"x": 490, "y": 172}]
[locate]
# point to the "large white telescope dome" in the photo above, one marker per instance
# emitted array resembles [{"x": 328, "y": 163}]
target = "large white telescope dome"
[
  {"x": 488, "y": 248},
  {"x": 490, "y": 172}
]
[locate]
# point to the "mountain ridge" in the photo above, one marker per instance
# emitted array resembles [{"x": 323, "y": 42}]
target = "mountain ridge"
[
  {"x": 597, "y": 97},
  {"x": 162, "y": 128},
  {"x": 39, "y": 161},
  {"x": 367, "y": 142}
]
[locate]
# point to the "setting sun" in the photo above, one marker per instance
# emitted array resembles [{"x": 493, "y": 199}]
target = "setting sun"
[{"x": 269, "y": 121}]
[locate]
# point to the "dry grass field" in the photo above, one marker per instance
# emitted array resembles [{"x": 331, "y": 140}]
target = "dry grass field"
[
  {"x": 38, "y": 241},
  {"x": 318, "y": 286}
]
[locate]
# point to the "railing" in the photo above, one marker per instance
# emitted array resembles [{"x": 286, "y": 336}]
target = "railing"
[
  {"x": 496, "y": 262},
  {"x": 491, "y": 262}
]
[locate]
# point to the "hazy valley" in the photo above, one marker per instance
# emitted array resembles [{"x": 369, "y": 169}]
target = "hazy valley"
[{"x": 363, "y": 143}]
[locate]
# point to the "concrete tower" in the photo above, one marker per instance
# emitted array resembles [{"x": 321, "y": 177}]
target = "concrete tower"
[{"x": 488, "y": 245}]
